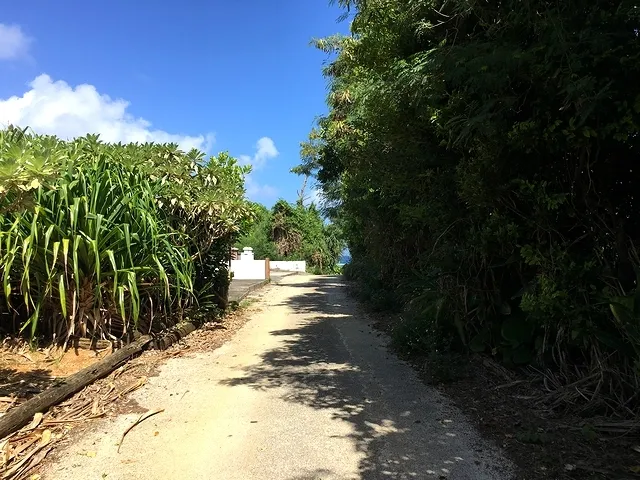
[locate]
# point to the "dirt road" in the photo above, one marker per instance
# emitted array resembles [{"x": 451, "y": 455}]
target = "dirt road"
[{"x": 306, "y": 390}]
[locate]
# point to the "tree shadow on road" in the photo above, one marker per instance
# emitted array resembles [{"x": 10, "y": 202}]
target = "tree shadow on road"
[
  {"x": 17, "y": 386},
  {"x": 333, "y": 361}
]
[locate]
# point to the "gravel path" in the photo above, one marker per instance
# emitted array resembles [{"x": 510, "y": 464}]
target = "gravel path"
[{"x": 305, "y": 390}]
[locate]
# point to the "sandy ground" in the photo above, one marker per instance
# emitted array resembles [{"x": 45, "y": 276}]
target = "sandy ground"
[{"x": 305, "y": 390}]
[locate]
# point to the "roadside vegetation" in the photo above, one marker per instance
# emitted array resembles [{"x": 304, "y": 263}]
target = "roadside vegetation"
[
  {"x": 479, "y": 159},
  {"x": 294, "y": 232},
  {"x": 105, "y": 240}
]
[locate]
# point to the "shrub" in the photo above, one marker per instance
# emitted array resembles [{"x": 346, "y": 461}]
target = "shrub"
[
  {"x": 111, "y": 238},
  {"x": 481, "y": 155}
]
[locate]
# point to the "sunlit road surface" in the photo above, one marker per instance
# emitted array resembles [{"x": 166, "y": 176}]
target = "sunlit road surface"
[{"x": 305, "y": 390}]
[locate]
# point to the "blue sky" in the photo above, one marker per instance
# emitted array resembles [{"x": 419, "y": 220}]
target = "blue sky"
[{"x": 223, "y": 76}]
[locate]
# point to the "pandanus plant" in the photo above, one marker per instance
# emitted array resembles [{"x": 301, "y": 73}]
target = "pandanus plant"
[{"x": 110, "y": 243}]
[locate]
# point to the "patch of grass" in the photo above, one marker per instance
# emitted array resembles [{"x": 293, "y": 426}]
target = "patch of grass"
[{"x": 246, "y": 303}]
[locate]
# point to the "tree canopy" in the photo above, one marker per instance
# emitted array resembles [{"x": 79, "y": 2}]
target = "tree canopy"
[
  {"x": 294, "y": 232},
  {"x": 478, "y": 157}
]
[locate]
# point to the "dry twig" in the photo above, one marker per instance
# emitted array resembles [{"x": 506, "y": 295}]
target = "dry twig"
[{"x": 142, "y": 418}]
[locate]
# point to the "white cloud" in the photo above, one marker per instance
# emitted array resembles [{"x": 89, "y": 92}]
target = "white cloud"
[
  {"x": 255, "y": 191},
  {"x": 315, "y": 196},
  {"x": 265, "y": 150},
  {"x": 13, "y": 42},
  {"x": 56, "y": 108}
]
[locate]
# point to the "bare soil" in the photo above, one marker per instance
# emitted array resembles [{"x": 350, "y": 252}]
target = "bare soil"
[{"x": 25, "y": 372}]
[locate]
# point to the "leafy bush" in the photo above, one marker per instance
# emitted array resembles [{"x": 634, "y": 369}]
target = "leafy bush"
[
  {"x": 294, "y": 232},
  {"x": 111, "y": 238},
  {"x": 480, "y": 155}
]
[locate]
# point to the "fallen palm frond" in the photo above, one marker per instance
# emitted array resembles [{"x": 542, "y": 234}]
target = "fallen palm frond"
[
  {"x": 591, "y": 392},
  {"x": 26, "y": 448}
]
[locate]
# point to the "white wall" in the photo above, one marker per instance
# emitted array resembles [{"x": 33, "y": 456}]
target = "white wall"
[
  {"x": 248, "y": 269},
  {"x": 289, "y": 266}
]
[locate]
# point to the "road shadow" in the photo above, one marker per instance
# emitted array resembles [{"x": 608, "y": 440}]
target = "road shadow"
[
  {"x": 318, "y": 474},
  {"x": 332, "y": 360},
  {"x": 17, "y": 386}
]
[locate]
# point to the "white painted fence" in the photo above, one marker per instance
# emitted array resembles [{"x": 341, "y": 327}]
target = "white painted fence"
[
  {"x": 289, "y": 266},
  {"x": 249, "y": 269}
]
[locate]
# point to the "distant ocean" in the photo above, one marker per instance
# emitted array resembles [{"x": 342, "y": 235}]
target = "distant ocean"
[{"x": 344, "y": 259}]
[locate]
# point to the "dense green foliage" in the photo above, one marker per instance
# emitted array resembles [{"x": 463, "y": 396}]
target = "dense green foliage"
[
  {"x": 103, "y": 240},
  {"x": 257, "y": 234},
  {"x": 294, "y": 232},
  {"x": 479, "y": 159}
]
